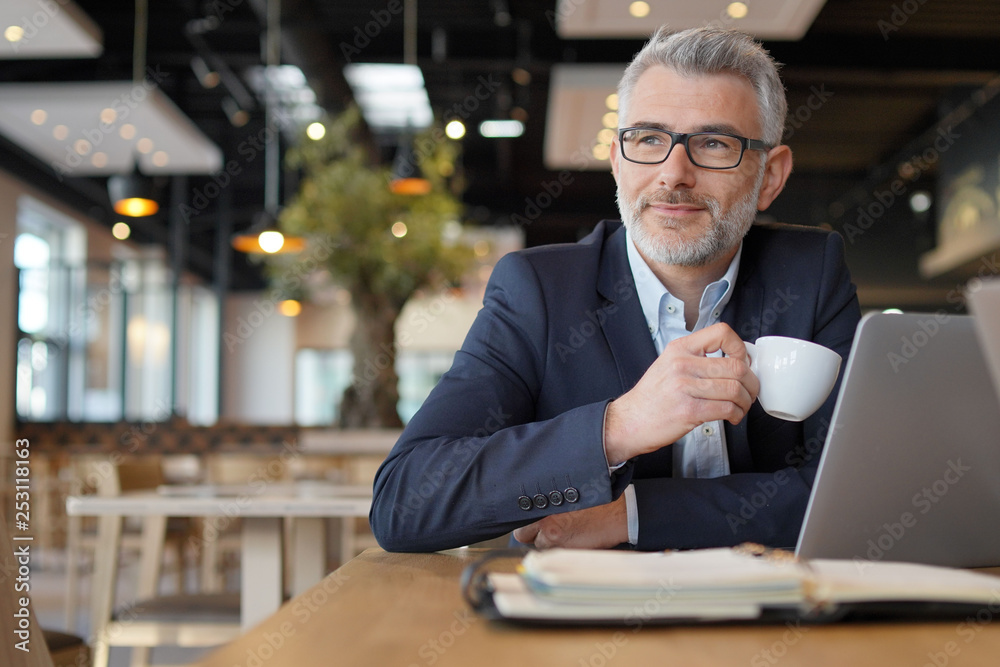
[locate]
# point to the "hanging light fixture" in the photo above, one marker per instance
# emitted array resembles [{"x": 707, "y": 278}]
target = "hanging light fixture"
[
  {"x": 263, "y": 236},
  {"x": 406, "y": 178},
  {"x": 132, "y": 194}
]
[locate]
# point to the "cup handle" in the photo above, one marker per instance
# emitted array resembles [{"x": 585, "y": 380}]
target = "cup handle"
[{"x": 752, "y": 355}]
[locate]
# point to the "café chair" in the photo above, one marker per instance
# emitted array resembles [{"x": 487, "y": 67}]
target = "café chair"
[
  {"x": 99, "y": 475},
  {"x": 186, "y": 620},
  {"x": 56, "y": 649}
]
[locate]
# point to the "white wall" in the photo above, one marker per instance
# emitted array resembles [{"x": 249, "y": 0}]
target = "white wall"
[{"x": 258, "y": 353}]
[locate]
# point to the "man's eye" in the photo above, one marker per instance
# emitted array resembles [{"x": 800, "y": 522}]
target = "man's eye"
[{"x": 649, "y": 139}]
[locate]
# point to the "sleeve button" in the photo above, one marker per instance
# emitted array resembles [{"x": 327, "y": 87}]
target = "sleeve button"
[
  {"x": 524, "y": 502},
  {"x": 541, "y": 502},
  {"x": 571, "y": 494},
  {"x": 556, "y": 498}
]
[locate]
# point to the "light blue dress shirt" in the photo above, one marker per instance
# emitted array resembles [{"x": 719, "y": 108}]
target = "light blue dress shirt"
[{"x": 702, "y": 452}]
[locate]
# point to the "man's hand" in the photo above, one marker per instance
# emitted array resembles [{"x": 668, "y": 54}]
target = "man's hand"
[
  {"x": 600, "y": 527},
  {"x": 683, "y": 389}
]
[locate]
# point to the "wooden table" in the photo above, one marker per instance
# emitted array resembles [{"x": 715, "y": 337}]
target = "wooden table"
[
  {"x": 405, "y": 610},
  {"x": 261, "y": 553}
]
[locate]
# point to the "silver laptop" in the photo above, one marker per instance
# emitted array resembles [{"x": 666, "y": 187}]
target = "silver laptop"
[
  {"x": 911, "y": 466},
  {"x": 983, "y": 297}
]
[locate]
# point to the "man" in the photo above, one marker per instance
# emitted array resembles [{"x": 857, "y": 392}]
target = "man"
[{"x": 602, "y": 396}]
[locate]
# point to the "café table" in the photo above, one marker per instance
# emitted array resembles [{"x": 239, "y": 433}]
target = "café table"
[
  {"x": 406, "y": 610},
  {"x": 261, "y": 511}
]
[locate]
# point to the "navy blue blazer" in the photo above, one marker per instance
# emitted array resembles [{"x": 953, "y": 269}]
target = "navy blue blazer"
[{"x": 520, "y": 415}]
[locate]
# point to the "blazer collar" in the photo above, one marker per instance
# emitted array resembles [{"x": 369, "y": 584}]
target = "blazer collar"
[{"x": 624, "y": 325}]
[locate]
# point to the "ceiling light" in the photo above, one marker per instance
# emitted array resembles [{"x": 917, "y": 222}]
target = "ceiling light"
[
  {"x": 271, "y": 240},
  {"x": 237, "y": 117},
  {"x": 127, "y": 131},
  {"x": 39, "y": 116},
  {"x": 144, "y": 145},
  {"x": 48, "y": 29},
  {"x": 121, "y": 231},
  {"x": 263, "y": 237},
  {"x": 207, "y": 77},
  {"x": 455, "y": 129},
  {"x": 161, "y": 158},
  {"x": 611, "y": 101},
  {"x": 391, "y": 97},
  {"x": 920, "y": 201},
  {"x": 399, "y": 229},
  {"x": 82, "y": 146},
  {"x": 60, "y": 132},
  {"x": 132, "y": 194},
  {"x": 737, "y": 10},
  {"x": 290, "y": 308},
  {"x": 406, "y": 178},
  {"x": 639, "y": 9},
  {"x": 501, "y": 129},
  {"x": 521, "y": 76},
  {"x": 108, "y": 115},
  {"x": 610, "y": 119},
  {"x": 99, "y": 159},
  {"x": 316, "y": 131},
  {"x": 13, "y": 33}
]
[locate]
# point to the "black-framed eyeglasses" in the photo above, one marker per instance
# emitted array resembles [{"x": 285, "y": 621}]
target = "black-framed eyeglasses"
[{"x": 709, "y": 150}]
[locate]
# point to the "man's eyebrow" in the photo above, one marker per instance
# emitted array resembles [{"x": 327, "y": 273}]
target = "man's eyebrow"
[{"x": 723, "y": 128}]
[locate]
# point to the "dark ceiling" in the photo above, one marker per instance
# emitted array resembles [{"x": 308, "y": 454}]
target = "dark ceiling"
[{"x": 866, "y": 88}]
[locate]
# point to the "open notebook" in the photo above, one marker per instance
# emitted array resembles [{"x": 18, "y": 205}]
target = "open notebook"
[{"x": 740, "y": 584}]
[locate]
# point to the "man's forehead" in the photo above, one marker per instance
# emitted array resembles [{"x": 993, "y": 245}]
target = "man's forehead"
[{"x": 714, "y": 98}]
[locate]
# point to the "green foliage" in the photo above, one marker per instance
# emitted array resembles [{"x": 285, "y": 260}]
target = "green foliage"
[{"x": 345, "y": 204}]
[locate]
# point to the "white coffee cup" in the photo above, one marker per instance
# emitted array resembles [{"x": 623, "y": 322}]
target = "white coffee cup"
[{"x": 795, "y": 375}]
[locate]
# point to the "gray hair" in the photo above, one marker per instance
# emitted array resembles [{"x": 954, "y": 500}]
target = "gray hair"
[{"x": 707, "y": 50}]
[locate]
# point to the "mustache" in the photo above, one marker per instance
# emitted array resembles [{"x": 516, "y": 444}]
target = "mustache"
[{"x": 677, "y": 197}]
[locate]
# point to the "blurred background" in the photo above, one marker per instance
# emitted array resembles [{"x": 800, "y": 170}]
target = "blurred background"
[{"x": 892, "y": 121}]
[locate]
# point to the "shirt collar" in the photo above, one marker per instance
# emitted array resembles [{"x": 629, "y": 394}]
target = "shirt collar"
[{"x": 651, "y": 290}]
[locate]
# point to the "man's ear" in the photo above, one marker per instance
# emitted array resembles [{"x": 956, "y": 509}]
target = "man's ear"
[
  {"x": 615, "y": 159},
  {"x": 776, "y": 172}
]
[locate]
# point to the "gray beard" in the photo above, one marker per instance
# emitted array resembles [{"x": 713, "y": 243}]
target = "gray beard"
[{"x": 727, "y": 229}]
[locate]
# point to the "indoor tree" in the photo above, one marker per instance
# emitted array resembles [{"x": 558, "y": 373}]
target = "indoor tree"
[{"x": 383, "y": 246}]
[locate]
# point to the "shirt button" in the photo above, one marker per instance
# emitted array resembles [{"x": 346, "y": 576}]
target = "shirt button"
[
  {"x": 707, "y": 430},
  {"x": 670, "y": 308},
  {"x": 716, "y": 314}
]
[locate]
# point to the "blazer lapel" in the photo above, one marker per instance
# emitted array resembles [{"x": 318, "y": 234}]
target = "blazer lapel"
[
  {"x": 624, "y": 327},
  {"x": 743, "y": 313}
]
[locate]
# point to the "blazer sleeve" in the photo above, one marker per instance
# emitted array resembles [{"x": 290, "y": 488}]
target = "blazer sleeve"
[
  {"x": 766, "y": 506},
  {"x": 465, "y": 462}
]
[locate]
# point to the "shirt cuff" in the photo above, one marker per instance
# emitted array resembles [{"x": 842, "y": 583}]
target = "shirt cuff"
[
  {"x": 604, "y": 445},
  {"x": 633, "y": 515}
]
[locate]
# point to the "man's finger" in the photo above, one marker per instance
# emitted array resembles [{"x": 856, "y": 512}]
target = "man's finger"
[{"x": 527, "y": 534}]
